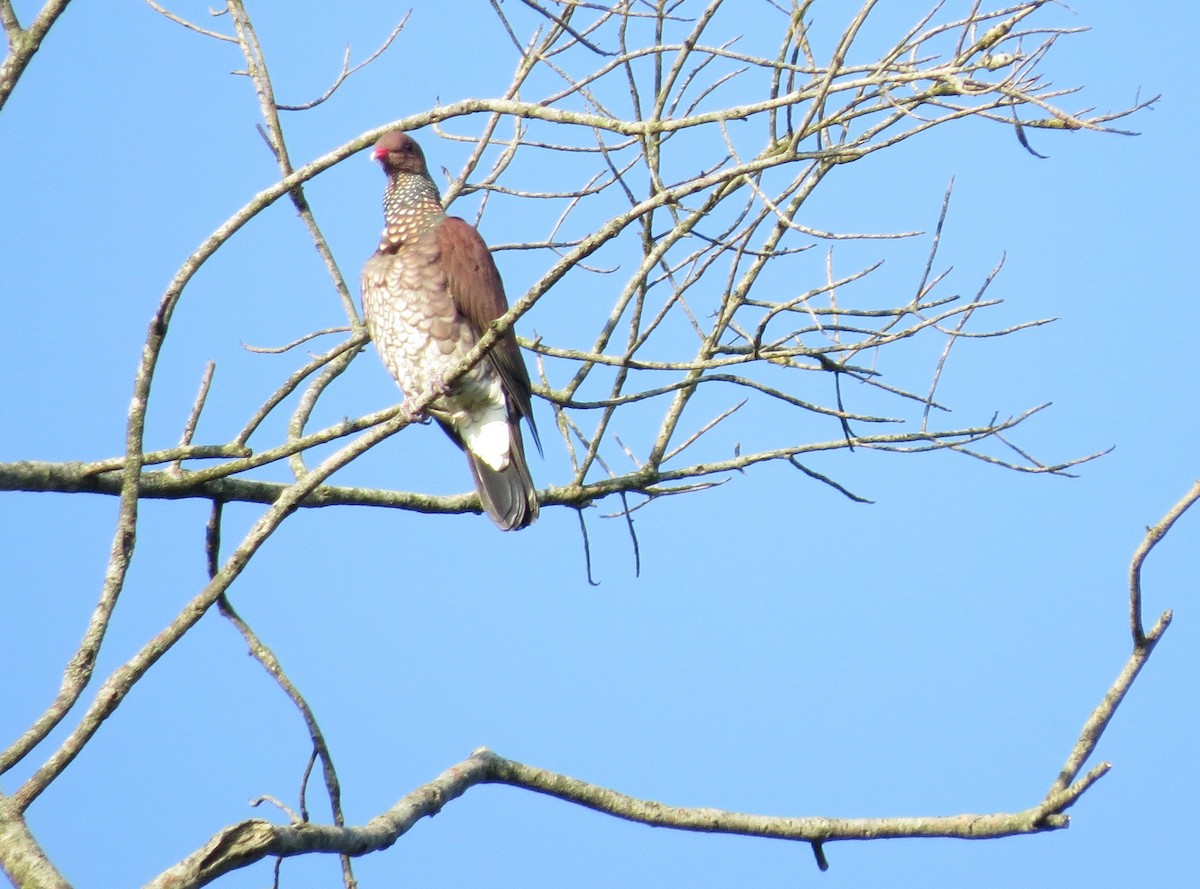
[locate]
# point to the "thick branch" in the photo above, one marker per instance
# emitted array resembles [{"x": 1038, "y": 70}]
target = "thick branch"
[
  {"x": 170, "y": 485},
  {"x": 23, "y": 43},
  {"x": 21, "y": 857},
  {"x": 242, "y": 844}
]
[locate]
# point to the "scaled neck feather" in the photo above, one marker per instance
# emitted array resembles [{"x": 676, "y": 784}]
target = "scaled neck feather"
[{"x": 411, "y": 206}]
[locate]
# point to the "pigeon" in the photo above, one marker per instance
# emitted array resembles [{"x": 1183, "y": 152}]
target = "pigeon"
[{"x": 429, "y": 293}]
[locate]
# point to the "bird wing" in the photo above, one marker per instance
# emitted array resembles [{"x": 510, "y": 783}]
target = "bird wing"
[{"x": 475, "y": 286}]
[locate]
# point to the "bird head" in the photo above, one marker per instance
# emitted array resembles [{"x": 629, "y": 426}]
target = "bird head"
[{"x": 399, "y": 153}]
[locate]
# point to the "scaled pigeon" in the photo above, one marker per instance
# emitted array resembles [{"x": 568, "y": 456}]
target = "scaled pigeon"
[{"x": 429, "y": 293}]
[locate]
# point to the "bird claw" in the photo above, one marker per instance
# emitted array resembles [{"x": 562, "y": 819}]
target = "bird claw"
[
  {"x": 438, "y": 385},
  {"x": 410, "y": 413}
]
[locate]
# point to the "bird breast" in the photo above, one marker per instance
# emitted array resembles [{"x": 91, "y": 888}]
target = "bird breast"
[{"x": 417, "y": 328}]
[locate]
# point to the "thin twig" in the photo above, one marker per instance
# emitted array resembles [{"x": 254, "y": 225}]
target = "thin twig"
[
  {"x": 189, "y": 428},
  {"x": 347, "y": 71}
]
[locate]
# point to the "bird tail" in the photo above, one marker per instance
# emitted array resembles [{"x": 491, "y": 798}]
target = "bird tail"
[{"x": 508, "y": 495}]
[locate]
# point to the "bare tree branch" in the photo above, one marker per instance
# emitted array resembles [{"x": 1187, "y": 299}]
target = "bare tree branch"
[
  {"x": 1154, "y": 534},
  {"x": 23, "y": 42},
  {"x": 22, "y": 859},
  {"x": 685, "y": 160},
  {"x": 248, "y": 841}
]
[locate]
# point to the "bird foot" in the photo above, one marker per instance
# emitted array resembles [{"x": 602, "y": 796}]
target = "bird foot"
[
  {"x": 438, "y": 385},
  {"x": 411, "y": 414}
]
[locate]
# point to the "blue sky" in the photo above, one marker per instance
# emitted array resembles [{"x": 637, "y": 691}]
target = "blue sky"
[{"x": 783, "y": 652}]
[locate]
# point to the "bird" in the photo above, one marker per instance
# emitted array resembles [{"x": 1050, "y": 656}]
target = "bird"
[{"x": 429, "y": 292}]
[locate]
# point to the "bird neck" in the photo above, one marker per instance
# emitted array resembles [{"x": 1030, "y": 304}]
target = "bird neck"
[{"x": 411, "y": 206}]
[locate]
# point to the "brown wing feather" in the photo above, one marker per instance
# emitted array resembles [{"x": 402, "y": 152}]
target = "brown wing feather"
[{"x": 475, "y": 285}]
